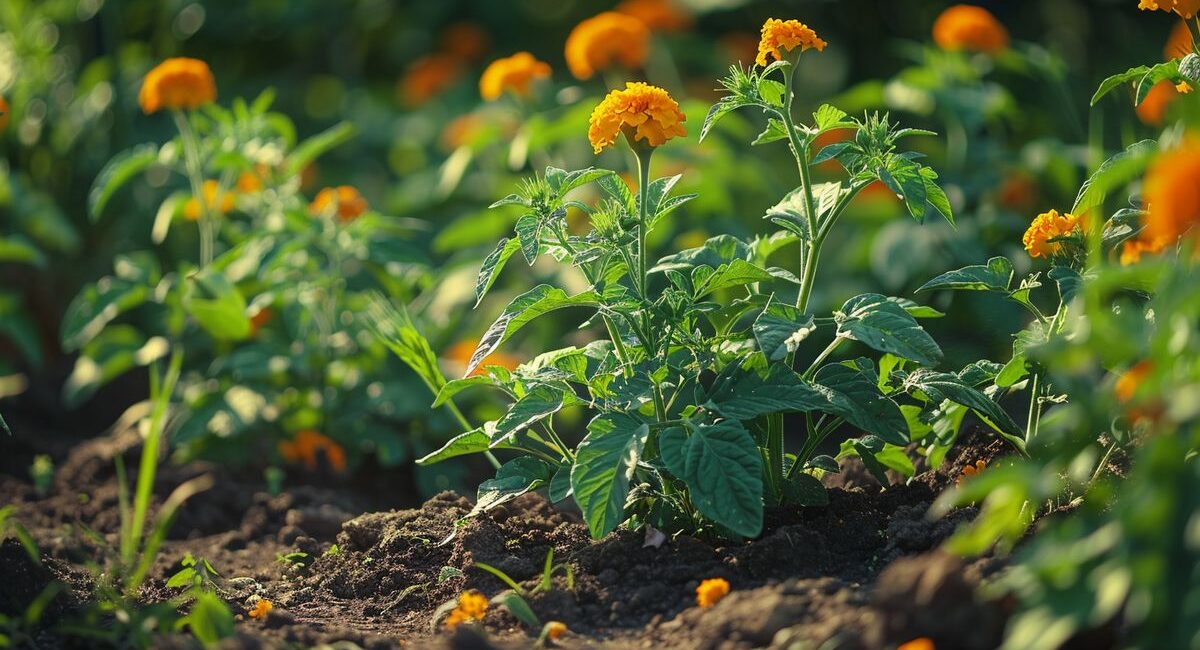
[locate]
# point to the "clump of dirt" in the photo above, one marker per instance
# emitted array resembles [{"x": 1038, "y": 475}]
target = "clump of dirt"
[{"x": 861, "y": 572}]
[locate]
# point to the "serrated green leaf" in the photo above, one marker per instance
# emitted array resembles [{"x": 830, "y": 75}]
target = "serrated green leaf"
[
  {"x": 514, "y": 478},
  {"x": 941, "y": 386},
  {"x": 780, "y": 329},
  {"x": 529, "y": 229},
  {"x": 723, "y": 471},
  {"x": 885, "y": 326},
  {"x": 117, "y": 172},
  {"x": 604, "y": 464},
  {"x": 996, "y": 275},
  {"x": 752, "y": 396},
  {"x": 538, "y": 301},
  {"x": 853, "y": 394}
]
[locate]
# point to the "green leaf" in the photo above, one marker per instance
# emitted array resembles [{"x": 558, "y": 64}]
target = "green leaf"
[
  {"x": 604, "y": 464},
  {"x": 516, "y": 605},
  {"x": 792, "y": 212},
  {"x": 209, "y": 620},
  {"x": 395, "y": 328},
  {"x": 456, "y": 386},
  {"x": 514, "y": 478},
  {"x": 806, "y": 490},
  {"x": 116, "y": 173},
  {"x": 539, "y": 300},
  {"x": 109, "y": 355},
  {"x": 97, "y": 306},
  {"x": 854, "y": 395},
  {"x": 529, "y": 230},
  {"x": 716, "y": 251},
  {"x": 780, "y": 328},
  {"x": 774, "y": 132},
  {"x": 537, "y": 405},
  {"x": 1068, "y": 280},
  {"x": 904, "y": 177},
  {"x": 492, "y": 265},
  {"x": 312, "y": 148},
  {"x": 20, "y": 250},
  {"x": 752, "y": 396},
  {"x": 560, "y": 485},
  {"x": 941, "y": 386},
  {"x": 1113, "y": 173},
  {"x": 936, "y": 196},
  {"x": 472, "y": 442},
  {"x": 722, "y": 108},
  {"x": 995, "y": 276},
  {"x": 1168, "y": 71},
  {"x": 885, "y": 326},
  {"x": 726, "y": 276},
  {"x": 723, "y": 470},
  {"x": 771, "y": 91},
  {"x": 216, "y": 305},
  {"x": 829, "y": 117}
]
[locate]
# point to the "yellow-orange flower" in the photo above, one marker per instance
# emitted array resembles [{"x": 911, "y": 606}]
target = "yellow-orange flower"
[
  {"x": 472, "y": 606},
  {"x": 261, "y": 608},
  {"x": 1133, "y": 250},
  {"x": 259, "y": 320},
  {"x": 1018, "y": 191},
  {"x": 922, "y": 643},
  {"x": 307, "y": 448},
  {"x": 1183, "y": 87},
  {"x": 967, "y": 27},
  {"x": 251, "y": 182},
  {"x": 604, "y": 39},
  {"x": 555, "y": 629},
  {"x": 658, "y": 15},
  {"x": 466, "y": 41},
  {"x": 1179, "y": 43},
  {"x": 428, "y": 77},
  {"x": 779, "y": 37},
  {"x": 217, "y": 201},
  {"x": 711, "y": 591},
  {"x": 3, "y": 114},
  {"x": 1153, "y": 109},
  {"x": 971, "y": 470},
  {"x": 460, "y": 353},
  {"x": 1171, "y": 193},
  {"x": 641, "y": 112},
  {"x": 1126, "y": 390},
  {"x": 179, "y": 83},
  {"x": 1047, "y": 226},
  {"x": 515, "y": 74},
  {"x": 342, "y": 201},
  {"x": 1185, "y": 8}
]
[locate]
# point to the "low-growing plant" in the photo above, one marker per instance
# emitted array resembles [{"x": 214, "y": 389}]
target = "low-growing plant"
[{"x": 702, "y": 355}]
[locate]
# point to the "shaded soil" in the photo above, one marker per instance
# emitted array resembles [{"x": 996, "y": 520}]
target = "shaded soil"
[{"x": 862, "y": 572}]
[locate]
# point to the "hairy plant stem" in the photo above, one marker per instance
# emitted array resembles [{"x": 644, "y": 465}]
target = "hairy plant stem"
[
  {"x": 195, "y": 173},
  {"x": 643, "y": 158}
]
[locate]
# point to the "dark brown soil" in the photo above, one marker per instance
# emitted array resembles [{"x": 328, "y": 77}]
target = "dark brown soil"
[{"x": 862, "y": 572}]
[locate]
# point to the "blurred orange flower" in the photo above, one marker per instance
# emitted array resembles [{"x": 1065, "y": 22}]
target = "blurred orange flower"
[
  {"x": 1171, "y": 193},
  {"x": 1018, "y": 191},
  {"x": 4, "y": 114},
  {"x": 711, "y": 591},
  {"x": 967, "y": 27},
  {"x": 428, "y": 77},
  {"x": 257, "y": 321},
  {"x": 1126, "y": 390},
  {"x": 261, "y": 608},
  {"x": 555, "y": 629},
  {"x": 472, "y": 606},
  {"x": 466, "y": 41},
  {"x": 221, "y": 204},
  {"x": 971, "y": 470},
  {"x": 1179, "y": 44},
  {"x": 251, "y": 182},
  {"x": 344, "y": 201},
  {"x": 602, "y": 40},
  {"x": 658, "y": 15},
  {"x": 515, "y": 74},
  {"x": 308, "y": 446},
  {"x": 780, "y": 37},
  {"x": 1047, "y": 226},
  {"x": 1185, "y": 8},
  {"x": 922, "y": 643},
  {"x": 460, "y": 353},
  {"x": 177, "y": 84},
  {"x": 641, "y": 112},
  {"x": 1153, "y": 109},
  {"x": 740, "y": 47}
]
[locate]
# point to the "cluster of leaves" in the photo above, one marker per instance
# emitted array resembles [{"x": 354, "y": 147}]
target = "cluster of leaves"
[{"x": 269, "y": 347}]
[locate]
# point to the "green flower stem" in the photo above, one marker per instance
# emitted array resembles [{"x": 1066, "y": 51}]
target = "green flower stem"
[
  {"x": 1037, "y": 387},
  {"x": 195, "y": 173},
  {"x": 829, "y": 349},
  {"x": 800, "y": 151}
]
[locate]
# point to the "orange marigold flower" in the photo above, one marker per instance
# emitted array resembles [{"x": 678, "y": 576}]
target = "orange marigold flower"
[
  {"x": 1185, "y": 8},
  {"x": 344, "y": 201},
  {"x": 971, "y": 470},
  {"x": 1132, "y": 250},
  {"x": 217, "y": 201},
  {"x": 428, "y": 77},
  {"x": 604, "y": 39},
  {"x": 658, "y": 15},
  {"x": 1179, "y": 44},
  {"x": 4, "y": 112},
  {"x": 472, "y": 606},
  {"x": 307, "y": 448},
  {"x": 249, "y": 182},
  {"x": 641, "y": 112},
  {"x": 555, "y": 629},
  {"x": 177, "y": 84},
  {"x": 1047, "y": 226},
  {"x": 922, "y": 643},
  {"x": 1126, "y": 390},
  {"x": 711, "y": 591},
  {"x": 1018, "y": 191},
  {"x": 460, "y": 355},
  {"x": 779, "y": 37},
  {"x": 1183, "y": 87},
  {"x": 515, "y": 74},
  {"x": 1172, "y": 194},
  {"x": 467, "y": 41},
  {"x": 967, "y": 27},
  {"x": 261, "y": 608},
  {"x": 1153, "y": 109}
]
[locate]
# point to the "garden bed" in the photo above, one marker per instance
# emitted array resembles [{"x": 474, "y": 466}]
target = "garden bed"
[{"x": 862, "y": 570}]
